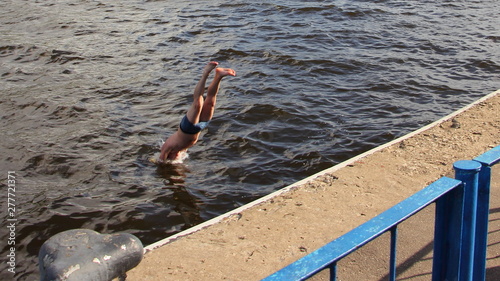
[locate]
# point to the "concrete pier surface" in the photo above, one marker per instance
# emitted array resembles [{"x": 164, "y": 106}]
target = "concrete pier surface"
[{"x": 257, "y": 239}]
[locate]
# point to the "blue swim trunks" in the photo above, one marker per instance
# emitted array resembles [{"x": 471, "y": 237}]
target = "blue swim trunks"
[{"x": 190, "y": 128}]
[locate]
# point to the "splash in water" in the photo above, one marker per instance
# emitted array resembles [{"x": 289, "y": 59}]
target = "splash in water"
[{"x": 179, "y": 160}]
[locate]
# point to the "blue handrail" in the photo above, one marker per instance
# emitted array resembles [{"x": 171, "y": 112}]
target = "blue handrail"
[
  {"x": 356, "y": 238},
  {"x": 459, "y": 249}
]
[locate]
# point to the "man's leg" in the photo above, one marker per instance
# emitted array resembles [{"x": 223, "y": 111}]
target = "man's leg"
[
  {"x": 209, "y": 104},
  {"x": 194, "y": 111}
]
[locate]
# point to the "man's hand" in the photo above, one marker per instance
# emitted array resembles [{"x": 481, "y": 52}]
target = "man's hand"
[{"x": 165, "y": 151}]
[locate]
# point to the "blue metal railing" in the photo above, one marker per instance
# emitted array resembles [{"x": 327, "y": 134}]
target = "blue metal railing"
[{"x": 461, "y": 227}]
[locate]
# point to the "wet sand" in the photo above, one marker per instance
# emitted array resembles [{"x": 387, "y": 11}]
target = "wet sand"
[{"x": 264, "y": 236}]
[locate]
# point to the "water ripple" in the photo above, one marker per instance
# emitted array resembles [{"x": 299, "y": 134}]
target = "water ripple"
[{"x": 89, "y": 89}]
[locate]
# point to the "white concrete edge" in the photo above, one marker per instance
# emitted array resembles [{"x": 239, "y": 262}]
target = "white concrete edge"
[{"x": 312, "y": 177}]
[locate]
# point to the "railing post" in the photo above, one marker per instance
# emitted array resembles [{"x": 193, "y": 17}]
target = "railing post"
[
  {"x": 487, "y": 160},
  {"x": 392, "y": 266},
  {"x": 333, "y": 271},
  {"x": 483, "y": 209},
  {"x": 467, "y": 171},
  {"x": 447, "y": 235}
]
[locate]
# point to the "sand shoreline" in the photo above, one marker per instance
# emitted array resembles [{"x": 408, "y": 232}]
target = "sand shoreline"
[{"x": 255, "y": 240}]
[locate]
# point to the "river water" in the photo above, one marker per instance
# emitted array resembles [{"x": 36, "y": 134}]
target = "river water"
[{"x": 89, "y": 88}]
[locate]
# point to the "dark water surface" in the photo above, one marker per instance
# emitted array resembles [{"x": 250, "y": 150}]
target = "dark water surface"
[{"x": 88, "y": 88}]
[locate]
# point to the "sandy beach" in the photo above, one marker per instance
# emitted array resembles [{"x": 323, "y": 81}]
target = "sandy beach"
[{"x": 256, "y": 240}]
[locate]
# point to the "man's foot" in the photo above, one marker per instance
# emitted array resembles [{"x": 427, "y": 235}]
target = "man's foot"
[
  {"x": 221, "y": 72},
  {"x": 209, "y": 67}
]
